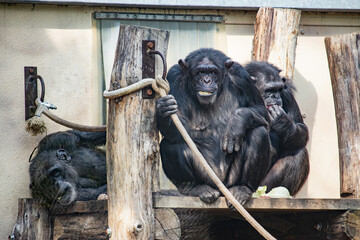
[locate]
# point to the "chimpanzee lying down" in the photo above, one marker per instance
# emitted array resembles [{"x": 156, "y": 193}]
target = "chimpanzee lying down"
[{"x": 68, "y": 166}]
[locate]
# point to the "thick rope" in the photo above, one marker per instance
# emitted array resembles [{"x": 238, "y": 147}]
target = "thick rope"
[
  {"x": 162, "y": 87},
  {"x": 73, "y": 125},
  {"x": 44, "y": 108}
]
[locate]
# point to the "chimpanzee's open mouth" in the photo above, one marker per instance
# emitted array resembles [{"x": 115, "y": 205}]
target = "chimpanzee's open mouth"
[
  {"x": 203, "y": 94},
  {"x": 270, "y": 105}
]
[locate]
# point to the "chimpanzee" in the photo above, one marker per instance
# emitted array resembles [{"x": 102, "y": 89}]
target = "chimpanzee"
[
  {"x": 288, "y": 133},
  {"x": 68, "y": 167},
  {"x": 225, "y": 116}
]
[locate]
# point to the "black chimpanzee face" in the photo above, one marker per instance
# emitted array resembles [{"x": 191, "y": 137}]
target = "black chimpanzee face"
[
  {"x": 272, "y": 93},
  {"x": 205, "y": 79},
  {"x": 53, "y": 179}
]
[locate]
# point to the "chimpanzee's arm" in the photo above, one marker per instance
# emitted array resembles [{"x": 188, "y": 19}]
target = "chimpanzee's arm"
[
  {"x": 90, "y": 139},
  {"x": 288, "y": 124}
]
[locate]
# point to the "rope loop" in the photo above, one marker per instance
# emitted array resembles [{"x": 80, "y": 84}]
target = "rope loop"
[
  {"x": 161, "y": 84},
  {"x": 157, "y": 84}
]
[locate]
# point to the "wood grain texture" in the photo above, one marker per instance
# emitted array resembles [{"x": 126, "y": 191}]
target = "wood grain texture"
[
  {"x": 275, "y": 38},
  {"x": 132, "y": 139},
  {"x": 272, "y": 204},
  {"x": 268, "y": 204},
  {"x": 167, "y": 224},
  {"x": 293, "y": 219},
  {"x": 33, "y": 221},
  {"x": 343, "y": 52},
  {"x": 90, "y": 226}
]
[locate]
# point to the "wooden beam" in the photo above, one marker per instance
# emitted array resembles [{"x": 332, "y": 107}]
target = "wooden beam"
[
  {"x": 343, "y": 53},
  {"x": 275, "y": 38},
  {"x": 271, "y": 204},
  {"x": 132, "y": 149}
]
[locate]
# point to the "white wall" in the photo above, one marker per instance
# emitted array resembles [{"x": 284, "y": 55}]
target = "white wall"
[
  {"x": 59, "y": 41},
  {"x": 63, "y": 43}
]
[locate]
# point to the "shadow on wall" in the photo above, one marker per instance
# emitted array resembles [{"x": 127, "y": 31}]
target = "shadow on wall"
[{"x": 307, "y": 98}]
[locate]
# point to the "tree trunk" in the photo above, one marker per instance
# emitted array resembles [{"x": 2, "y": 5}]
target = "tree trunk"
[
  {"x": 343, "y": 53},
  {"x": 275, "y": 38},
  {"x": 132, "y": 139}
]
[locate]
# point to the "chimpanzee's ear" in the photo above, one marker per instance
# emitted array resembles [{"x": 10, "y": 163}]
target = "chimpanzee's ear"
[
  {"x": 229, "y": 63},
  {"x": 184, "y": 66},
  {"x": 286, "y": 82}
]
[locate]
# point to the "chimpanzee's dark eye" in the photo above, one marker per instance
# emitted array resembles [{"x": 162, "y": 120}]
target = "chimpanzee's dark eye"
[
  {"x": 266, "y": 94},
  {"x": 55, "y": 173},
  {"x": 62, "y": 154}
]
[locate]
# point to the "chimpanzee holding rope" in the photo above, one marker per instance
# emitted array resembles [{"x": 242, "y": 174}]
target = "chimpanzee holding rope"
[{"x": 224, "y": 114}]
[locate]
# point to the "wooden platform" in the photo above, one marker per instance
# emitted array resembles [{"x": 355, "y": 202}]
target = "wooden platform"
[
  {"x": 270, "y": 204},
  {"x": 193, "y": 219}
]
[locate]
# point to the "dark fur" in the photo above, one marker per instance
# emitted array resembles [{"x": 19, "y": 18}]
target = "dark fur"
[
  {"x": 288, "y": 133},
  {"x": 229, "y": 128},
  {"x": 68, "y": 167}
]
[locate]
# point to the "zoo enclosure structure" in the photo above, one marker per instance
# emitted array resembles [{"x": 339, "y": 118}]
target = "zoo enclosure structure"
[{"x": 324, "y": 218}]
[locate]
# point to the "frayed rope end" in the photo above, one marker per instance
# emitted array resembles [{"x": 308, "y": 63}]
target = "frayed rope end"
[{"x": 35, "y": 126}]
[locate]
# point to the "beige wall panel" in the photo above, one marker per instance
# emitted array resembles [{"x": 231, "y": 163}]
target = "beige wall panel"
[
  {"x": 58, "y": 40},
  {"x": 315, "y": 99}
]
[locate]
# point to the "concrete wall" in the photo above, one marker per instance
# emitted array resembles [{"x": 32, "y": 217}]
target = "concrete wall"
[
  {"x": 63, "y": 43},
  {"x": 59, "y": 41}
]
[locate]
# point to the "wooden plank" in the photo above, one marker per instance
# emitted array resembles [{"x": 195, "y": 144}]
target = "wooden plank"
[
  {"x": 132, "y": 149},
  {"x": 81, "y": 222},
  {"x": 181, "y": 202},
  {"x": 343, "y": 53},
  {"x": 275, "y": 38},
  {"x": 80, "y": 226},
  {"x": 33, "y": 221},
  {"x": 293, "y": 219},
  {"x": 92, "y": 206},
  {"x": 273, "y": 204},
  {"x": 222, "y": 224},
  {"x": 167, "y": 224}
]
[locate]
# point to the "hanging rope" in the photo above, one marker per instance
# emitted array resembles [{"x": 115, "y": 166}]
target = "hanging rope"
[{"x": 161, "y": 86}]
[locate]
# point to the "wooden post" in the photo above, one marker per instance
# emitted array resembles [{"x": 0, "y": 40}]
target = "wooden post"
[
  {"x": 132, "y": 139},
  {"x": 343, "y": 53},
  {"x": 275, "y": 38},
  {"x": 33, "y": 221}
]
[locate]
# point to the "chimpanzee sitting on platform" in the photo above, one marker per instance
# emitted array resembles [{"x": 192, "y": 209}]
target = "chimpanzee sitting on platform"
[
  {"x": 288, "y": 133},
  {"x": 225, "y": 116},
  {"x": 68, "y": 167}
]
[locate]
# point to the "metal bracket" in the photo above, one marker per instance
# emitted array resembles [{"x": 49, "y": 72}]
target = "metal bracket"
[
  {"x": 148, "y": 67},
  {"x": 30, "y": 91}
]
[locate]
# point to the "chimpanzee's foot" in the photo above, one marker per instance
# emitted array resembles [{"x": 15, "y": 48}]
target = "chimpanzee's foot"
[
  {"x": 241, "y": 193},
  {"x": 204, "y": 192}
]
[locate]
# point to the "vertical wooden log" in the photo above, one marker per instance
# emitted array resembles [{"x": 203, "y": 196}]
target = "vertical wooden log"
[
  {"x": 343, "y": 52},
  {"x": 275, "y": 38},
  {"x": 132, "y": 139},
  {"x": 33, "y": 221}
]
